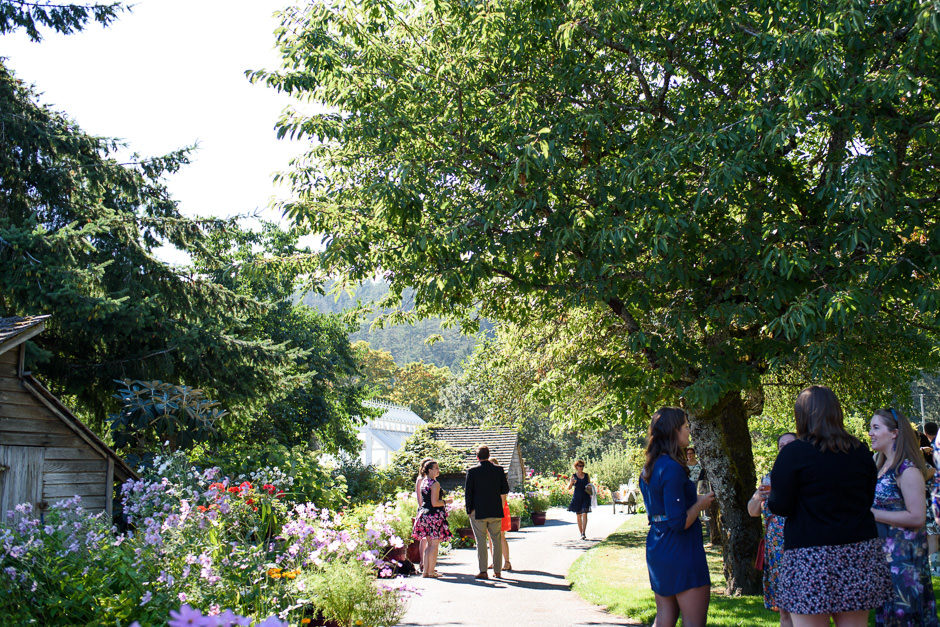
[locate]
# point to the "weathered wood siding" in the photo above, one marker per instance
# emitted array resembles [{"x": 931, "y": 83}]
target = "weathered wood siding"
[
  {"x": 68, "y": 465},
  {"x": 21, "y": 480}
]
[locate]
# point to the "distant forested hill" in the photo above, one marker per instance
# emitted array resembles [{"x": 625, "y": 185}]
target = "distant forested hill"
[{"x": 406, "y": 343}]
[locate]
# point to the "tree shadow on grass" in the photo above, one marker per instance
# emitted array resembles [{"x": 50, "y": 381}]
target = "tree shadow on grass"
[{"x": 627, "y": 539}]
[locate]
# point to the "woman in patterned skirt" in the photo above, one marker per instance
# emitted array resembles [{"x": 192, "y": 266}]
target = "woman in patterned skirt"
[
  {"x": 899, "y": 511},
  {"x": 833, "y": 565},
  {"x": 431, "y": 523},
  {"x": 773, "y": 539}
]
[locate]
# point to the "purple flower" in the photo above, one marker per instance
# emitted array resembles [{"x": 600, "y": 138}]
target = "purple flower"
[
  {"x": 185, "y": 616},
  {"x": 145, "y": 599}
]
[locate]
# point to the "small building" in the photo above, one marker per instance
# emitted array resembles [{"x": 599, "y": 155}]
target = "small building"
[
  {"x": 503, "y": 445},
  {"x": 384, "y": 436},
  {"x": 46, "y": 453}
]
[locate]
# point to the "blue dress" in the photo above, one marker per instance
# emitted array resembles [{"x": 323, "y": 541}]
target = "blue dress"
[{"x": 675, "y": 557}]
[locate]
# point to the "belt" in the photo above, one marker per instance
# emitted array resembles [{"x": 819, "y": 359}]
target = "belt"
[{"x": 659, "y": 518}]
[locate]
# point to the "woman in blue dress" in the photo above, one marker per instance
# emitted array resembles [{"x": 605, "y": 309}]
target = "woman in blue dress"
[{"x": 675, "y": 556}]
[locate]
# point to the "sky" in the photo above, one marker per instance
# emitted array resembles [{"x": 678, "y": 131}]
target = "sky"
[{"x": 170, "y": 74}]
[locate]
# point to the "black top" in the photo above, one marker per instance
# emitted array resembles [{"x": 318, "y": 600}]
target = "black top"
[
  {"x": 485, "y": 484},
  {"x": 426, "y": 507},
  {"x": 826, "y": 496}
]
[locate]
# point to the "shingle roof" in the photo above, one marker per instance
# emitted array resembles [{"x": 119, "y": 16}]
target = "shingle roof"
[
  {"x": 502, "y": 442},
  {"x": 15, "y": 330}
]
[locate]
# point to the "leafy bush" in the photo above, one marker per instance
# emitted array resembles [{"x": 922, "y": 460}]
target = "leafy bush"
[
  {"x": 368, "y": 483},
  {"x": 554, "y": 486},
  {"x": 457, "y": 517},
  {"x": 419, "y": 446},
  {"x": 616, "y": 466},
  {"x": 516, "y": 504},
  {"x": 348, "y": 594}
]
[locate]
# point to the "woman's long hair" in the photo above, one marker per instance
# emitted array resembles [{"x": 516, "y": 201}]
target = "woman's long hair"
[
  {"x": 426, "y": 464},
  {"x": 663, "y": 438},
  {"x": 906, "y": 445},
  {"x": 819, "y": 420}
]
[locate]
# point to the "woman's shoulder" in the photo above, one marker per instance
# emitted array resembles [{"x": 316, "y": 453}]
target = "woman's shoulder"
[{"x": 665, "y": 466}]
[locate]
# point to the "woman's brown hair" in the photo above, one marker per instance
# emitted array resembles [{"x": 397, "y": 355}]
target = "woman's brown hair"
[
  {"x": 421, "y": 470},
  {"x": 426, "y": 465},
  {"x": 819, "y": 420},
  {"x": 906, "y": 445},
  {"x": 663, "y": 438}
]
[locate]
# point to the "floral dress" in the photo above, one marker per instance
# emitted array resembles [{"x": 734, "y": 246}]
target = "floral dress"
[
  {"x": 912, "y": 601},
  {"x": 773, "y": 551},
  {"x": 431, "y": 521}
]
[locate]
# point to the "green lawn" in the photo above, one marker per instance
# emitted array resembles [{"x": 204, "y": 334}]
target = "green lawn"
[{"x": 613, "y": 575}]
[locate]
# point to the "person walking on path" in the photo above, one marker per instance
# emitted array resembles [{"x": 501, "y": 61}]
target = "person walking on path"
[
  {"x": 833, "y": 563},
  {"x": 431, "y": 522},
  {"x": 675, "y": 555},
  {"x": 580, "y": 499},
  {"x": 485, "y": 493},
  {"x": 899, "y": 511},
  {"x": 773, "y": 540}
]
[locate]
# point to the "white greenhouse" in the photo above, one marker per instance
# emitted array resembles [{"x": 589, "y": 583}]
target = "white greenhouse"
[{"x": 382, "y": 437}]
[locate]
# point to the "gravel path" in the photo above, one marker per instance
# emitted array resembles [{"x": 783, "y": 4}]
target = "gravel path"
[{"x": 534, "y": 593}]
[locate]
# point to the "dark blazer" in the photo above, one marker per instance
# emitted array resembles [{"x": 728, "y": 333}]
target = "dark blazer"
[{"x": 483, "y": 489}]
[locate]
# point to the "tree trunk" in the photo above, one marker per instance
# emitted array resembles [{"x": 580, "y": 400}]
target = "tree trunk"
[{"x": 723, "y": 443}]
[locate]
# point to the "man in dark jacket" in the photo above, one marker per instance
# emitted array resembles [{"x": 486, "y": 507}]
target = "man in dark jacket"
[{"x": 486, "y": 491}]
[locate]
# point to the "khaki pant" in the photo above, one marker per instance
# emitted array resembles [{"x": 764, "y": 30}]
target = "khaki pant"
[{"x": 495, "y": 527}]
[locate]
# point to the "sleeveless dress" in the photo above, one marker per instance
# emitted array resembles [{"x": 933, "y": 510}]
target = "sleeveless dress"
[
  {"x": 773, "y": 551},
  {"x": 912, "y": 601},
  {"x": 580, "y": 501},
  {"x": 675, "y": 556},
  {"x": 431, "y": 522}
]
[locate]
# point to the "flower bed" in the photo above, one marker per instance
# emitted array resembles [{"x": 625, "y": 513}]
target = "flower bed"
[{"x": 202, "y": 541}]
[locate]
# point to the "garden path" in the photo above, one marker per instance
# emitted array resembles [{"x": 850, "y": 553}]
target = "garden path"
[{"x": 534, "y": 593}]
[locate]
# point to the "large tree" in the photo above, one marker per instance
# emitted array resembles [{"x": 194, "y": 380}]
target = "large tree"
[
  {"x": 744, "y": 190},
  {"x": 80, "y": 229}
]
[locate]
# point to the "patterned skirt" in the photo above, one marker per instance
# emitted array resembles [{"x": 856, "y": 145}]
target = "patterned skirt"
[
  {"x": 830, "y": 579},
  {"x": 431, "y": 525}
]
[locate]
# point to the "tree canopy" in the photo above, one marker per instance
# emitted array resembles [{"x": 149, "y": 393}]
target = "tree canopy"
[{"x": 734, "y": 191}]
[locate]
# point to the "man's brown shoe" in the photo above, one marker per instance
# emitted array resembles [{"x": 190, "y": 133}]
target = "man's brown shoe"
[
  {"x": 498, "y": 574},
  {"x": 482, "y": 576}
]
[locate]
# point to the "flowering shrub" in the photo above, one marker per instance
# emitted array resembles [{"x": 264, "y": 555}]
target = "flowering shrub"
[
  {"x": 516, "y": 503},
  {"x": 554, "y": 486},
  {"x": 193, "y": 539},
  {"x": 187, "y": 616}
]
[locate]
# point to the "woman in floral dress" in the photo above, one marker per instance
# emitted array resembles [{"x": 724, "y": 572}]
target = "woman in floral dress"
[
  {"x": 431, "y": 522},
  {"x": 899, "y": 511},
  {"x": 773, "y": 540}
]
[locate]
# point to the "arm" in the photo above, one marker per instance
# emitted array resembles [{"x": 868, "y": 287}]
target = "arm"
[
  {"x": 783, "y": 489},
  {"x": 911, "y": 483},
  {"x": 436, "y": 495},
  {"x": 468, "y": 492},
  {"x": 571, "y": 481},
  {"x": 678, "y": 517},
  {"x": 753, "y": 506},
  {"x": 418, "y": 490}
]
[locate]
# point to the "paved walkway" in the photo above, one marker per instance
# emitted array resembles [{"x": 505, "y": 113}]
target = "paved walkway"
[{"x": 534, "y": 593}]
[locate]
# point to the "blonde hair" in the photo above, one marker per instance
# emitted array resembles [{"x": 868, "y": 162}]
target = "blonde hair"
[{"x": 906, "y": 446}]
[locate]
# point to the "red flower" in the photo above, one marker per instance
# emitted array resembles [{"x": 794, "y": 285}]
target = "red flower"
[
  {"x": 201, "y": 508},
  {"x": 245, "y": 485},
  {"x": 234, "y": 490}
]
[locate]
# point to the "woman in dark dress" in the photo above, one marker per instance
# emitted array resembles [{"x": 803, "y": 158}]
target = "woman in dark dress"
[
  {"x": 580, "y": 499},
  {"x": 833, "y": 565},
  {"x": 675, "y": 556},
  {"x": 431, "y": 523}
]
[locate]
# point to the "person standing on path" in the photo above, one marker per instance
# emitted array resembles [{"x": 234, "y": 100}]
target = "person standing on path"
[
  {"x": 580, "y": 499},
  {"x": 675, "y": 555},
  {"x": 485, "y": 492},
  {"x": 423, "y": 544}
]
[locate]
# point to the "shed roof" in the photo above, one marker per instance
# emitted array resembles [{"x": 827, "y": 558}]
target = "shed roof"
[
  {"x": 15, "y": 330},
  {"x": 397, "y": 413},
  {"x": 502, "y": 442}
]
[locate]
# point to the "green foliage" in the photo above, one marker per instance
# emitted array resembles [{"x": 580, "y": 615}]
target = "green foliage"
[
  {"x": 406, "y": 461},
  {"x": 64, "y": 18},
  {"x": 538, "y": 501},
  {"x": 367, "y": 484},
  {"x": 154, "y": 414},
  {"x": 348, "y": 594},
  {"x": 416, "y": 385},
  {"x": 303, "y": 471},
  {"x": 458, "y": 518},
  {"x": 616, "y": 466}
]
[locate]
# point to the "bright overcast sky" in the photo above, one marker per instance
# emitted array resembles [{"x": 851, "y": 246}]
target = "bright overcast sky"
[{"x": 169, "y": 74}]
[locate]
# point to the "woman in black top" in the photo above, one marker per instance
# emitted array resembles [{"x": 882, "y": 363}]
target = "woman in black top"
[{"x": 824, "y": 483}]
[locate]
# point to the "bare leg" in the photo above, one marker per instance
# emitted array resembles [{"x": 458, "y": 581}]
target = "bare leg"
[
  {"x": 580, "y": 525},
  {"x": 810, "y": 620},
  {"x": 422, "y": 547},
  {"x": 584, "y": 524},
  {"x": 693, "y": 604},
  {"x": 852, "y": 619},
  {"x": 785, "y": 620},
  {"x": 667, "y": 611},
  {"x": 430, "y": 557}
]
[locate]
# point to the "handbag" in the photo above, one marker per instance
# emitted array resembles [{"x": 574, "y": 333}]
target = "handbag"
[
  {"x": 759, "y": 560},
  {"x": 589, "y": 490}
]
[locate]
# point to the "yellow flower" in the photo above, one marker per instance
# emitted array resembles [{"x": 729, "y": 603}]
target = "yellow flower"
[
  {"x": 304, "y": 621},
  {"x": 274, "y": 573}
]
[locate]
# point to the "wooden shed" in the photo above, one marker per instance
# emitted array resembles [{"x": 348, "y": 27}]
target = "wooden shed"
[
  {"x": 503, "y": 444},
  {"x": 46, "y": 453}
]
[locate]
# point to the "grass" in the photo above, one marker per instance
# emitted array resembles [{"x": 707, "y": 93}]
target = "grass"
[{"x": 613, "y": 574}]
